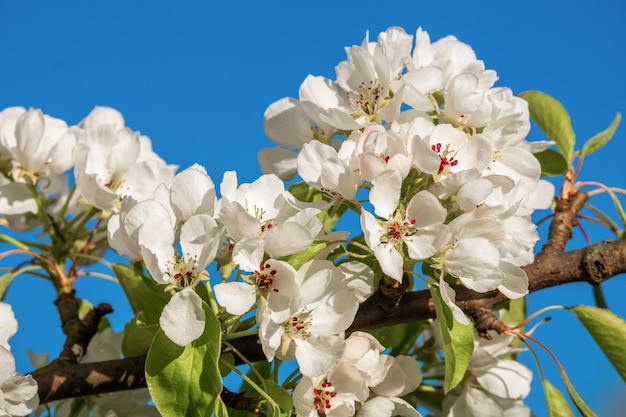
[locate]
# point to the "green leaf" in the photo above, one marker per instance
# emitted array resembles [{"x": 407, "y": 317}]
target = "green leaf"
[
  {"x": 578, "y": 402},
  {"x": 399, "y": 337},
  {"x": 552, "y": 163},
  {"x": 553, "y": 120},
  {"x": 138, "y": 337},
  {"x": 609, "y": 332},
  {"x": 305, "y": 192},
  {"x": 279, "y": 395},
  {"x": 220, "y": 409},
  {"x": 145, "y": 295},
  {"x": 602, "y": 138},
  {"x": 556, "y": 402},
  {"x": 458, "y": 341},
  {"x": 5, "y": 281},
  {"x": 300, "y": 258},
  {"x": 185, "y": 381}
]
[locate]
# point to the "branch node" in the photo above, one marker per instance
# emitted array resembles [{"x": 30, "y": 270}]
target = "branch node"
[
  {"x": 390, "y": 292},
  {"x": 485, "y": 320}
]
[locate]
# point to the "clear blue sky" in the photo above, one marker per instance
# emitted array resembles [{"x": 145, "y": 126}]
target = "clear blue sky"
[{"x": 197, "y": 79}]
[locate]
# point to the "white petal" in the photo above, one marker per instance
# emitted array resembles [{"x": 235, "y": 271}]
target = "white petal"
[
  {"x": 508, "y": 379},
  {"x": 385, "y": 193},
  {"x": 183, "y": 319},
  {"x": 236, "y": 297},
  {"x": 390, "y": 260},
  {"x": 403, "y": 377}
]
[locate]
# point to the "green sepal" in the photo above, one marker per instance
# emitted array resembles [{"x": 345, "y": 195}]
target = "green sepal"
[
  {"x": 609, "y": 332},
  {"x": 598, "y": 141},
  {"x": 553, "y": 120},
  {"x": 552, "y": 163},
  {"x": 185, "y": 381},
  {"x": 458, "y": 341}
]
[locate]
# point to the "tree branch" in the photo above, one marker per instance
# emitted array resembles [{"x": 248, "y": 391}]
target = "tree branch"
[{"x": 390, "y": 305}]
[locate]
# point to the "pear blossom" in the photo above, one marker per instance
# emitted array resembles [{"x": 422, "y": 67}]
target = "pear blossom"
[
  {"x": 112, "y": 161},
  {"x": 263, "y": 218},
  {"x": 420, "y": 229},
  {"x": 314, "y": 334},
  {"x": 274, "y": 280},
  {"x": 287, "y": 123},
  {"x": 363, "y": 379},
  {"x": 182, "y": 319},
  {"x": 39, "y": 145},
  {"x": 322, "y": 166}
]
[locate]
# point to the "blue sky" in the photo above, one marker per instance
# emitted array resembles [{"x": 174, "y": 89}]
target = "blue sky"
[{"x": 196, "y": 78}]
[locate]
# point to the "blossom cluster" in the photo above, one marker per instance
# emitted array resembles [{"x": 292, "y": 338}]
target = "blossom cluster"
[
  {"x": 416, "y": 139},
  {"x": 452, "y": 179}
]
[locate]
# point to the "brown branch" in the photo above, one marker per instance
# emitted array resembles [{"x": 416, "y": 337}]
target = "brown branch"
[{"x": 390, "y": 305}]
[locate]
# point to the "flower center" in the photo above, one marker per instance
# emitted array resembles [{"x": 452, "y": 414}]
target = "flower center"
[
  {"x": 322, "y": 396},
  {"x": 446, "y": 160},
  {"x": 397, "y": 230},
  {"x": 183, "y": 272},
  {"x": 265, "y": 277},
  {"x": 296, "y": 327},
  {"x": 369, "y": 100}
]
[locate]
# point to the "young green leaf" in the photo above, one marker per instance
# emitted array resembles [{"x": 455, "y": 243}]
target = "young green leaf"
[
  {"x": 458, "y": 341},
  {"x": 220, "y": 409},
  {"x": 143, "y": 294},
  {"x": 137, "y": 337},
  {"x": 300, "y": 258},
  {"x": 553, "y": 120},
  {"x": 280, "y": 395},
  {"x": 578, "y": 402},
  {"x": 5, "y": 281},
  {"x": 602, "y": 138},
  {"x": 552, "y": 163},
  {"x": 609, "y": 332},
  {"x": 185, "y": 381},
  {"x": 556, "y": 402}
]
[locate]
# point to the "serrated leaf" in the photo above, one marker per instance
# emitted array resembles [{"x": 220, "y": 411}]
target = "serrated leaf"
[
  {"x": 552, "y": 163},
  {"x": 144, "y": 295},
  {"x": 458, "y": 341},
  {"x": 185, "y": 381},
  {"x": 556, "y": 402},
  {"x": 138, "y": 337},
  {"x": 279, "y": 395},
  {"x": 599, "y": 140},
  {"x": 609, "y": 332},
  {"x": 553, "y": 120}
]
